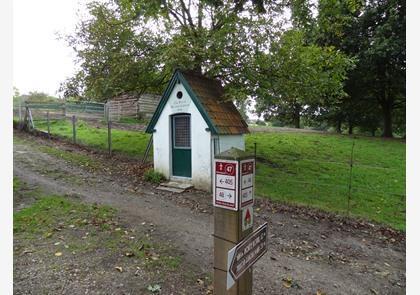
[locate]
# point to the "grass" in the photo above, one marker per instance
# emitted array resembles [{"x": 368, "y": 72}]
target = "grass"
[
  {"x": 71, "y": 157},
  {"x": 130, "y": 143},
  {"x": 313, "y": 169},
  {"x": 129, "y": 120},
  {"x": 49, "y": 211},
  {"x": 307, "y": 169},
  {"x": 16, "y": 184},
  {"x": 154, "y": 176},
  {"x": 56, "y": 215}
]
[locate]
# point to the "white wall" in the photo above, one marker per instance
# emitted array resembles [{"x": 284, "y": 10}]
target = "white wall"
[{"x": 200, "y": 140}]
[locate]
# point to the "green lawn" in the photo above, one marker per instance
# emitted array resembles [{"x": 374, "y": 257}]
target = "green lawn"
[
  {"x": 301, "y": 168},
  {"x": 130, "y": 143},
  {"x": 314, "y": 170}
]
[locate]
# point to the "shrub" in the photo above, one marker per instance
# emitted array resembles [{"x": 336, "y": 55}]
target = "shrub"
[{"x": 153, "y": 176}]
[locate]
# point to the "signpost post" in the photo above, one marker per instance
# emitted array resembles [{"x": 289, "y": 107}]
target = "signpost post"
[{"x": 233, "y": 198}]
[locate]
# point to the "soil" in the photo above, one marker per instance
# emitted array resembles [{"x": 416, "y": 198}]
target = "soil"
[{"x": 310, "y": 252}]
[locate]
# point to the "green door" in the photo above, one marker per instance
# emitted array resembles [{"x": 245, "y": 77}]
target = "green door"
[{"x": 181, "y": 145}]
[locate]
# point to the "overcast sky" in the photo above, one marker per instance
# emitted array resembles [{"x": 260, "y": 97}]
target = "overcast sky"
[{"x": 40, "y": 61}]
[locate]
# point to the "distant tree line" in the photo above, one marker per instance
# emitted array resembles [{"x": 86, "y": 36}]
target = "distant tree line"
[{"x": 325, "y": 63}]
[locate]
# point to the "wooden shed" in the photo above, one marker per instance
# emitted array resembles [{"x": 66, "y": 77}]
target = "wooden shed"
[
  {"x": 191, "y": 124},
  {"x": 132, "y": 105}
]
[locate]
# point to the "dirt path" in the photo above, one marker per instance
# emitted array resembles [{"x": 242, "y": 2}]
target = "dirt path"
[{"x": 308, "y": 252}]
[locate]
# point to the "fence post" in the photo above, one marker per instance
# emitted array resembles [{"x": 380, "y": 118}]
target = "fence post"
[
  {"x": 20, "y": 110},
  {"x": 73, "y": 119},
  {"x": 48, "y": 124},
  {"x": 64, "y": 109},
  {"x": 109, "y": 138},
  {"x": 106, "y": 112},
  {"x": 255, "y": 153},
  {"x": 350, "y": 179}
]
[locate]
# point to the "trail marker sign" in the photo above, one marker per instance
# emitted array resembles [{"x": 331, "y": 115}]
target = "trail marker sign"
[
  {"x": 226, "y": 184},
  {"x": 236, "y": 247},
  {"x": 233, "y": 186},
  {"x": 247, "y": 217},
  {"x": 247, "y": 182},
  {"x": 245, "y": 254}
]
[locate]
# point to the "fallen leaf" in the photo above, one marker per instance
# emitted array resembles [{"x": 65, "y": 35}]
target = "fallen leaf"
[
  {"x": 129, "y": 254},
  {"x": 200, "y": 281},
  {"x": 373, "y": 291},
  {"x": 154, "y": 289},
  {"x": 58, "y": 254},
  {"x": 287, "y": 282},
  {"x": 119, "y": 268}
]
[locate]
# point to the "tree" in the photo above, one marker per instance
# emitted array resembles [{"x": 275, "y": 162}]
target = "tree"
[
  {"x": 382, "y": 57},
  {"x": 135, "y": 45},
  {"x": 373, "y": 32},
  {"x": 295, "y": 78}
]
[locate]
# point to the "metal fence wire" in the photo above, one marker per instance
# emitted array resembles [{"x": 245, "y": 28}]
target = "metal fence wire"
[{"x": 346, "y": 182}]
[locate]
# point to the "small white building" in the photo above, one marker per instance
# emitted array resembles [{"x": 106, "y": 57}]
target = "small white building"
[{"x": 191, "y": 124}]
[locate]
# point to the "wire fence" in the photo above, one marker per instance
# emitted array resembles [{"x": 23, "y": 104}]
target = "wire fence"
[
  {"x": 356, "y": 182},
  {"x": 345, "y": 182},
  {"x": 86, "y": 110}
]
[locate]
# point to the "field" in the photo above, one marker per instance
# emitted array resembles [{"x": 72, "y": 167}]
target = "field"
[
  {"x": 85, "y": 251},
  {"x": 129, "y": 143},
  {"x": 307, "y": 169},
  {"x": 314, "y": 170}
]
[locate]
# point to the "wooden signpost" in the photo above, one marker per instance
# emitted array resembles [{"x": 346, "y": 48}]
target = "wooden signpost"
[
  {"x": 245, "y": 254},
  {"x": 233, "y": 198}
]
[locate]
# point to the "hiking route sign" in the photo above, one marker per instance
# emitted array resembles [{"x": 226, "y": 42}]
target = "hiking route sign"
[
  {"x": 247, "y": 182},
  {"x": 233, "y": 185},
  {"x": 245, "y": 254},
  {"x": 226, "y": 184}
]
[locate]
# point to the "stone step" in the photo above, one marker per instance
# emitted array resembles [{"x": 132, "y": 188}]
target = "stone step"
[
  {"x": 174, "y": 186},
  {"x": 170, "y": 189}
]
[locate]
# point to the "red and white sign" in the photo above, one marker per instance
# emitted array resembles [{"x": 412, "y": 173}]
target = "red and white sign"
[
  {"x": 247, "y": 217},
  {"x": 247, "y": 183},
  {"x": 225, "y": 184}
]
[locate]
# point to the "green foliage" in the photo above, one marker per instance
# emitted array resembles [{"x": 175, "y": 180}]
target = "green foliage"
[
  {"x": 313, "y": 170},
  {"x": 260, "y": 123},
  {"x": 374, "y": 33},
  {"x": 135, "y": 45},
  {"x": 300, "y": 75},
  {"x": 153, "y": 176}
]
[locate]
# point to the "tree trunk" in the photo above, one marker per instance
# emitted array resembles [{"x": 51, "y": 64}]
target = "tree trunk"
[
  {"x": 350, "y": 127},
  {"x": 373, "y": 132},
  {"x": 338, "y": 128},
  {"x": 387, "y": 113},
  {"x": 296, "y": 117}
]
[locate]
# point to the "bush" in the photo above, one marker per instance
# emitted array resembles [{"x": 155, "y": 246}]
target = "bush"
[
  {"x": 277, "y": 123},
  {"x": 260, "y": 123},
  {"x": 154, "y": 176}
]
